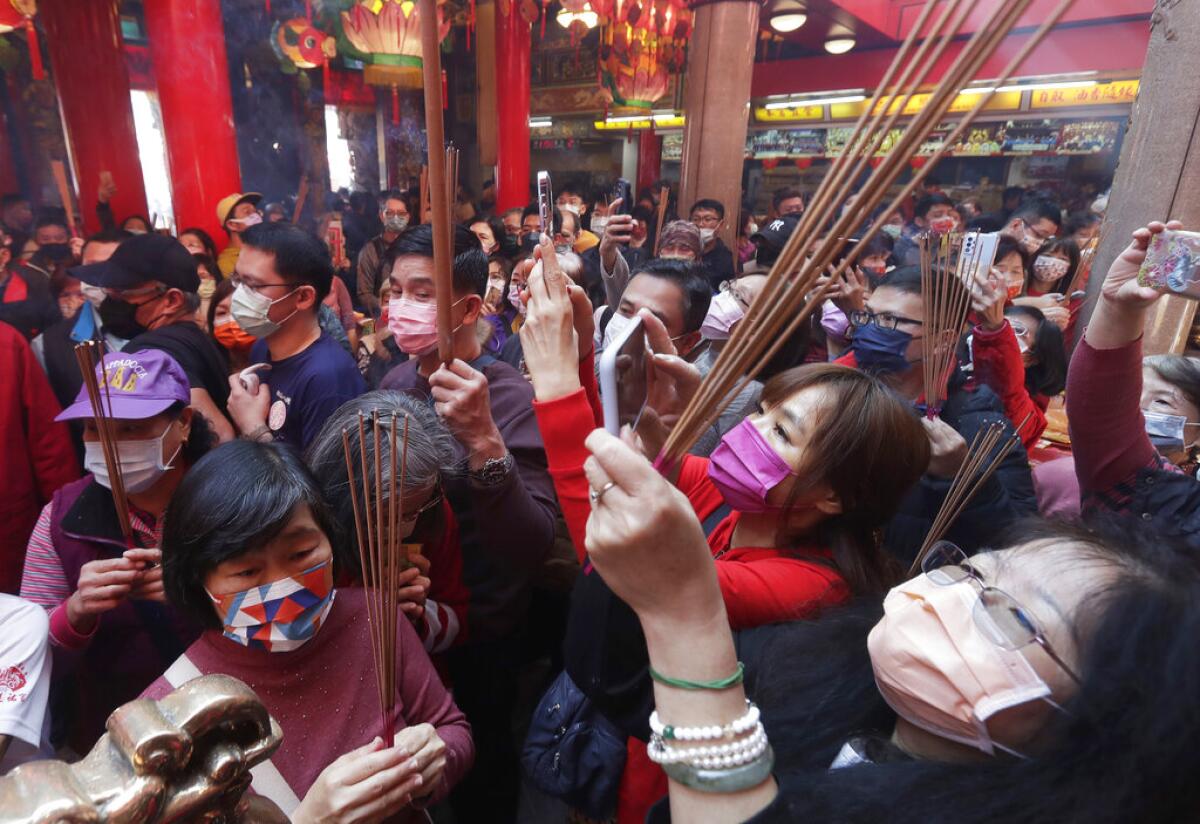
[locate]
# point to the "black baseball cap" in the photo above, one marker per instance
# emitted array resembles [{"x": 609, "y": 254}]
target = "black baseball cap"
[
  {"x": 141, "y": 259},
  {"x": 770, "y": 239}
]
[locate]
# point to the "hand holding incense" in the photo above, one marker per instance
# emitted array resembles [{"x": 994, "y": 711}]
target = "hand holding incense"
[{"x": 90, "y": 356}]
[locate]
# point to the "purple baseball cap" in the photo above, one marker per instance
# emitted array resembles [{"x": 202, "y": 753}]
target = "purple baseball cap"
[{"x": 140, "y": 385}]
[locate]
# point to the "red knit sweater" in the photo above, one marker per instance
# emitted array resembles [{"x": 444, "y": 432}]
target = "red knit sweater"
[
  {"x": 323, "y": 694},
  {"x": 997, "y": 360}
]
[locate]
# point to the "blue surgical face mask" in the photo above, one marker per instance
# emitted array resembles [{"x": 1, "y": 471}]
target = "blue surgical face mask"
[
  {"x": 880, "y": 351},
  {"x": 1166, "y": 431}
]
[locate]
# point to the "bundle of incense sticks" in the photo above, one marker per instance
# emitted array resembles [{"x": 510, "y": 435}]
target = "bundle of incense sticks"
[
  {"x": 947, "y": 264},
  {"x": 1087, "y": 254},
  {"x": 381, "y": 554},
  {"x": 443, "y": 177},
  {"x": 90, "y": 355},
  {"x": 988, "y": 449},
  {"x": 664, "y": 195},
  {"x": 788, "y": 298}
]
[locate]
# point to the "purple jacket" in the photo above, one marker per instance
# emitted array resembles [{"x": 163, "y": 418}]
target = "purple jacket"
[
  {"x": 134, "y": 643},
  {"x": 506, "y": 531}
]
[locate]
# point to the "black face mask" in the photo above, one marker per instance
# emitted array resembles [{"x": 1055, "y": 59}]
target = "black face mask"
[
  {"x": 509, "y": 247},
  {"x": 120, "y": 318}
]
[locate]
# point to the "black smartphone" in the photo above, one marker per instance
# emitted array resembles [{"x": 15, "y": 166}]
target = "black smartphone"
[{"x": 623, "y": 191}]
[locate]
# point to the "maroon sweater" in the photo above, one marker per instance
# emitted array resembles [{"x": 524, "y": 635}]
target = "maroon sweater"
[{"x": 323, "y": 694}]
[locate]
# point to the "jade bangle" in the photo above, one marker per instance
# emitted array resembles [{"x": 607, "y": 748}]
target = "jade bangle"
[{"x": 733, "y": 780}]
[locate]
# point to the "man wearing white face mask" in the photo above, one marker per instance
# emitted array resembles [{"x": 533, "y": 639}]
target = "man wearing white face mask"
[
  {"x": 574, "y": 198},
  {"x": 283, "y": 274},
  {"x": 709, "y": 217},
  {"x": 395, "y": 217},
  {"x": 237, "y": 213},
  {"x": 104, "y": 592}
]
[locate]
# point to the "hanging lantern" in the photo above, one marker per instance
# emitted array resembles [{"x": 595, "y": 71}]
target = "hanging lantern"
[
  {"x": 16, "y": 14},
  {"x": 388, "y": 33},
  {"x": 306, "y": 46},
  {"x": 633, "y": 79},
  {"x": 769, "y": 163},
  {"x": 803, "y": 163}
]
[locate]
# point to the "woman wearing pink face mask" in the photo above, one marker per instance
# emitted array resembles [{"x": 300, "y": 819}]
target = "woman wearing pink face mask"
[
  {"x": 1016, "y": 685},
  {"x": 790, "y": 499},
  {"x": 1051, "y": 273}
]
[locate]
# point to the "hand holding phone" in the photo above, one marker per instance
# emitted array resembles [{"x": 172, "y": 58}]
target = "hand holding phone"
[
  {"x": 545, "y": 203},
  {"x": 623, "y": 192},
  {"x": 623, "y": 379},
  {"x": 249, "y": 376},
  {"x": 1172, "y": 263}
]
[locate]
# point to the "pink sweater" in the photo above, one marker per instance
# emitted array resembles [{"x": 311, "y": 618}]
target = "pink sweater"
[{"x": 323, "y": 694}]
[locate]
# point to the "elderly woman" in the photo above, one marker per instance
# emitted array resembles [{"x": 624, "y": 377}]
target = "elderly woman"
[{"x": 431, "y": 592}]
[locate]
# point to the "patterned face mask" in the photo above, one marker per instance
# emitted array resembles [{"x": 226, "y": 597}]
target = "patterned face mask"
[{"x": 279, "y": 616}]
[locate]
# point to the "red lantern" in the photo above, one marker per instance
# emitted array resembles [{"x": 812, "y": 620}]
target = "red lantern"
[
  {"x": 917, "y": 161},
  {"x": 19, "y": 13},
  {"x": 769, "y": 163},
  {"x": 803, "y": 163}
]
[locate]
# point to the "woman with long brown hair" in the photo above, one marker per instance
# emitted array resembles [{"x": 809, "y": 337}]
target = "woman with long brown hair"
[{"x": 792, "y": 500}]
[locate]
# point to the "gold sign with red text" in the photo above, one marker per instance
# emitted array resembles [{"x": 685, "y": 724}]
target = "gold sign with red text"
[{"x": 1101, "y": 94}]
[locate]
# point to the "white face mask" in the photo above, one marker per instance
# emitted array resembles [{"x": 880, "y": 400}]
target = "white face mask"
[
  {"x": 599, "y": 224},
  {"x": 753, "y": 227},
  {"x": 570, "y": 207},
  {"x": 141, "y": 462},
  {"x": 250, "y": 309},
  {"x": 706, "y": 235},
  {"x": 241, "y": 224},
  {"x": 617, "y": 324},
  {"x": 514, "y": 297}
]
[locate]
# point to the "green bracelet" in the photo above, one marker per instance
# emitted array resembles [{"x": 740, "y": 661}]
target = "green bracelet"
[{"x": 719, "y": 684}]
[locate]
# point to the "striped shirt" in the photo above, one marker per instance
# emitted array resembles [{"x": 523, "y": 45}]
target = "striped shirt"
[{"x": 44, "y": 582}]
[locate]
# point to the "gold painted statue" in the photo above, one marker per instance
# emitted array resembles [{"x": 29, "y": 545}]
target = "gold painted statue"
[{"x": 186, "y": 757}]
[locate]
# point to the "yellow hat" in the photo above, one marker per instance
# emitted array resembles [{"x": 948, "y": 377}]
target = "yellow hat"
[{"x": 230, "y": 202}]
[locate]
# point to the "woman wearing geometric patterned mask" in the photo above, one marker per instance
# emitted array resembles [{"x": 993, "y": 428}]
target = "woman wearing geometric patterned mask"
[
  {"x": 1015, "y": 685},
  {"x": 247, "y": 555}
]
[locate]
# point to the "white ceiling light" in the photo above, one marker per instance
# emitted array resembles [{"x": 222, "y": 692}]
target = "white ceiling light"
[
  {"x": 1068, "y": 84},
  {"x": 815, "y": 101},
  {"x": 587, "y": 17},
  {"x": 788, "y": 20},
  {"x": 540, "y": 122},
  {"x": 839, "y": 45}
]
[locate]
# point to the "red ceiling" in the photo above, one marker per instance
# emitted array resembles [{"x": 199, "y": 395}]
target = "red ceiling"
[
  {"x": 896, "y": 17},
  {"x": 1109, "y": 47}
]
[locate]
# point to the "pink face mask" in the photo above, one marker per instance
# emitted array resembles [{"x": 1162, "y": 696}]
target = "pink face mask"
[
  {"x": 414, "y": 325},
  {"x": 939, "y": 672},
  {"x": 744, "y": 468},
  {"x": 723, "y": 312}
]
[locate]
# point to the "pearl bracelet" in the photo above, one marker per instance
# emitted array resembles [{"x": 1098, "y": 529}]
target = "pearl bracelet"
[
  {"x": 716, "y": 756},
  {"x": 741, "y": 726}
]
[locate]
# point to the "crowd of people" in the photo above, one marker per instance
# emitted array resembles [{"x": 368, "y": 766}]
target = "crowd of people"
[{"x": 586, "y": 631}]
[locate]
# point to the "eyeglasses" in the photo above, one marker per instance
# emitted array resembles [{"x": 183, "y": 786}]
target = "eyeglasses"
[
  {"x": 395, "y": 213},
  {"x": 998, "y": 615},
  {"x": 434, "y": 501},
  {"x": 237, "y": 280},
  {"x": 131, "y": 295},
  {"x": 885, "y": 320},
  {"x": 706, "y": 221},
  {"x": 1042, "y": 236}
]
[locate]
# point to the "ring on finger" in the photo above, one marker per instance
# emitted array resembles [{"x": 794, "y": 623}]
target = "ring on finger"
[{"x": 596, "y": 494}]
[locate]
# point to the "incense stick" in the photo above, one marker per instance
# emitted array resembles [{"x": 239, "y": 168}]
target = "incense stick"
[
  {"x": 664, "y": 194},
  {"x": 89, "y": 354},
  {"x": 377, "y": 498},
  {"x": 443, "y": 232},
  {"x": 64, "y": 193},
  {"x": 987, "y": 451},
  {"x": 791, "y": 293},
  {"x": 301, "y": 196}
]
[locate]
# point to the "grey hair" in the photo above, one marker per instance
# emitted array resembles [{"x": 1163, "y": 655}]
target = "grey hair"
[{"x": 431, "y": 454}]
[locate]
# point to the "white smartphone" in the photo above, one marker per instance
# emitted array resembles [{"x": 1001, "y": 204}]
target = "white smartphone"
[
  {"x": 623, "y": 384},
  {"x": 249, "y": 376}
]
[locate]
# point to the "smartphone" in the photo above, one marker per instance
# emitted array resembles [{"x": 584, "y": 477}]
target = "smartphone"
[
  {"x": 623, "y": 191},
  {"x": 977, "y": 255},
  {"x": 623, "y": 384},
  {"x": 545, "y": 203},
  {"x": 1079, "y": 294},
  {"x": 1171, "y": 263}
]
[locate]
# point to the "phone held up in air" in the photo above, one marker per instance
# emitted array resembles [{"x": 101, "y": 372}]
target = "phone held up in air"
[
  {"x": 624, "y": 191},
  {"x": 545, "y": 203},
  {"x": 623, "y": 380},
  {"x": 1171, "y": 263}
]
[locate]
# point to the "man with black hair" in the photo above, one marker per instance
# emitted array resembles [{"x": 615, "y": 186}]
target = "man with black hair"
[
  {"x": 573, "y": 197},
  {"x": 674, "y": 291},
  {"x": 150, "y": 298},
  {"x": 16, "y": 215},
  {"x": 1034, "y": 223},
  {"x": 51, "y": 229},
  {"x": 708, "y": 215},
  {"x": 395, "y": 217},
  {"x": 788, "y": 201},
  {"x": 503, "y": 501},
  {"x": 283, "y": 274},
  {"x": 890, "y": 340},
  {"x": 935, "y": 212},
  {"x": 531, "y": 224}
]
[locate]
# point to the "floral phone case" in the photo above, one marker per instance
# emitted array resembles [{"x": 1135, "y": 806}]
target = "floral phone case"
[{"x": 1173, "y": 264}]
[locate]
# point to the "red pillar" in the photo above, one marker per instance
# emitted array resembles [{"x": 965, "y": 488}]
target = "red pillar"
[
  {"x": 187, "y": 43},
  {"x": 84, "y": 40},
  {"x": 649, "y": 167},
  {"x": 512, "y": 117}
]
